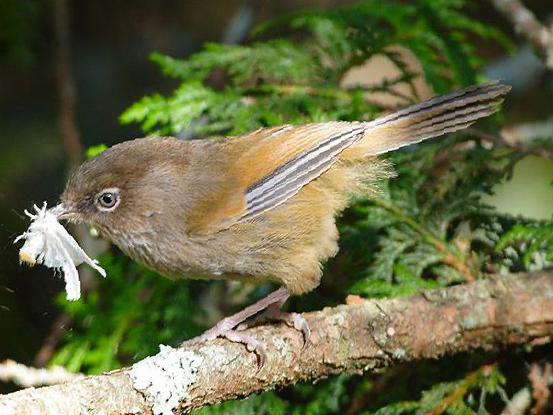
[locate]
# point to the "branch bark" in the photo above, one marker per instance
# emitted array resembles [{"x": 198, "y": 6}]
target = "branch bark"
[
  {"x": 363, "y": 336},
  {"x": 26, "y": 376},
  {"x": 526, "y": 24}
]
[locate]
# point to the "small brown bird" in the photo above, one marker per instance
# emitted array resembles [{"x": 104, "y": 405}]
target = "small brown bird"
[{"x": 259, "y": 207}]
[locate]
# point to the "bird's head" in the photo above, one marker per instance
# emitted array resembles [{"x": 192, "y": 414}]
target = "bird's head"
[{"x": 126, "y": 188}]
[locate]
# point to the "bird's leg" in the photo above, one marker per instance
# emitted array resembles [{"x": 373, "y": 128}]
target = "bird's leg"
[{"x": 225, "y": 327}]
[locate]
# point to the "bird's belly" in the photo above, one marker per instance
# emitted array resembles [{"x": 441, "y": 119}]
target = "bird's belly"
[{"x": 198, "y": 258}]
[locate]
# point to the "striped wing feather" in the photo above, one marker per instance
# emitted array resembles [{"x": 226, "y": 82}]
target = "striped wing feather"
[
  {"x": 267, "y": 167},
  {"x": 306, "y": 164}
]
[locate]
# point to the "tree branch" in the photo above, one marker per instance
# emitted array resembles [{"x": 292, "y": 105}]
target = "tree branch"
[
  {"x": 364, "y": 336},
  {"x": 26, "y": 376},
  {"x": 529, "y": 26},
  {"x": 517, "y": 138}
]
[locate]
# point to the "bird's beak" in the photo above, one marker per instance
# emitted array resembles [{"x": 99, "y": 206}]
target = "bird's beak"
[{"x": 64, "y": 211}]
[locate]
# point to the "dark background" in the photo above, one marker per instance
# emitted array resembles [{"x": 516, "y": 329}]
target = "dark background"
[{"x": 110, "y": 42}]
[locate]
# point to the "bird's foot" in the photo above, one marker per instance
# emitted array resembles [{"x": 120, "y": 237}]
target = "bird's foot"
[
  {"x": 297, "y": 321},
  {"x": 275, "y": 313},
  {"x": 226, "y": 327},
  {"x": 251, "y": 343}
]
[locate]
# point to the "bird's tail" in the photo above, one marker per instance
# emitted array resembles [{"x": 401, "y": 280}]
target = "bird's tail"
[{"x": 431, "y": 118}]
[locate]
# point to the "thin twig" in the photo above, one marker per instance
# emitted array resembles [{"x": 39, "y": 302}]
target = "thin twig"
[
  {"x": 526, "y": 24},
  {"x": 499, "y": 139},
  {"x": 65, "y": 82},
  {"x": 519, "y": 403},
  {"x": 469, "y": 382},
  {"x": 377, "y": 388},
  {"x": 341, "y": 94},
  {"x": 26, "y": 376},
  {"x": 450, "y": 257},
  {"x": 57, "y": 330},
  {"x": 540, "y": 379}
]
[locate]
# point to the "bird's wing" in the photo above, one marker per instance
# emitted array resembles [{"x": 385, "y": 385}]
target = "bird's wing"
[{"x": 269, "y": 166}]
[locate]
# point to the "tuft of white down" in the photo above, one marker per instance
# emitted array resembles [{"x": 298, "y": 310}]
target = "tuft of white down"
[{"x": 47, "y": 242}]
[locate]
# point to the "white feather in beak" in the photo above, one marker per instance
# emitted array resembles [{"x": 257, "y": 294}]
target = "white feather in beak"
[{"x": 48, "y": 242}]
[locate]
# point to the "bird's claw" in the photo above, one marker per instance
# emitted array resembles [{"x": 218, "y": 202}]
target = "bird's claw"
[
  {"x": 294, "y": 320},
  {"x": 251, "y": 343},
  {"x": 225, "y": 329},
  {"x": 297, "y": 321}
]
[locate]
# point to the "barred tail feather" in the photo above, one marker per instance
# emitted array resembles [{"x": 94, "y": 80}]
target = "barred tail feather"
[{"x": 431, "y": 118}]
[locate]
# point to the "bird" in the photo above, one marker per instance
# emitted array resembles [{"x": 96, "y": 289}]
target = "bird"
[{"x": 260, "y": 207}]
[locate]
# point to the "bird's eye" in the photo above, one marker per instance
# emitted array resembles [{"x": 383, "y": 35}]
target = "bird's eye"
[{"x": 107, "y": 199}]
